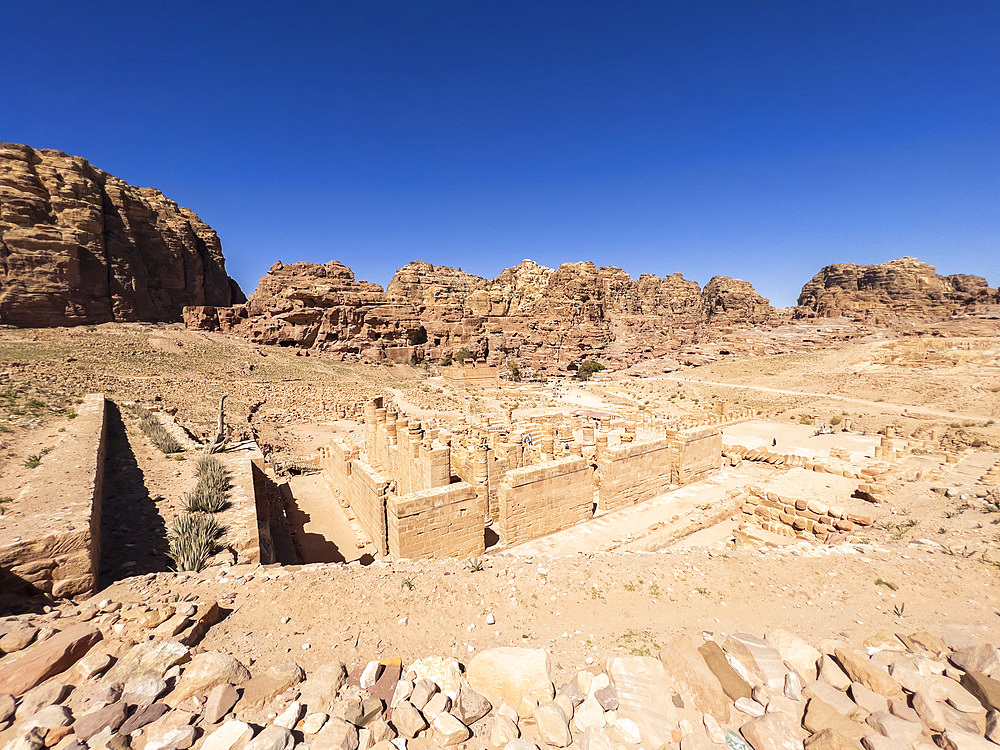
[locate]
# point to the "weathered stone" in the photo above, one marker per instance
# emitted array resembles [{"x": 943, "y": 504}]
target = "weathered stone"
[
  {"x": 408, "y": 720},
  {"x": 220, "y": 701},
  {"x": 983, "y": 658},
  {"x": 50, "y": 717},
  {"x": 607, "y": 697},
  {"x": 644, "y": 697},
  {"x": 363, "y": 713},
  {"x": 233, "y": 735},
  {"x": 553, "y": 725},
  {"x": 831, "y": 673},
  {"x": 820, "y": 715},
  {"x": 380, "y": 731},
  {"x": 860, "y": 669},
  {"x": 96, "y": 662},
  {"x": 144, "y": 716},
  {"x": 894, "y": 728},
  {"x": 152, "y": 658},
  {"x": 985, "y": 689},
  {"x": 763, "y": 660},
  {"x": 829, "y": 740},
  {"x": 448, "y": 730},
  {"x": 385, "y": 684},
  {"x": 290, "y": 716},
  {"x": 589, "y": 714},
  {"x": 471, "y": 706},
  {"x": 993, "y": 727},
  {"x": 88, "y": 725},
  {"x": 952, "y": 739},
  {"x": 6, "y": 706},
  {"x": 143, "y": 691},
  {"x": 503, "y": 731},
  {"x": 313, "y": 723},
  {"x": 750, "y": 707},
  {"x": 832, "y": 697},
  {"x": 516, "y": 676},
  {"x": 519, "y": 744},
  {"x": 596, "y": 738},
  {"x": 322, "y": 686},
  {"x": 867, "y": 699},
  {"x": 176, "y": 739},
  {"x": 423, "y": 691},
  {"x": 438, "y": 704},
  {"x": 272, "y": 738},
  {"x": 274, "y": 680},
  {"x": 34, "y": 665},
  {"x": 693, "y": 678},
  {"x": 442, "y": 671},
  {"x": 336, "y": 735},
  {"x": 795, "y": 651},
  {"x": 41, "y": 696},
  {"x": 18, "y": 636},
  {"x": 771, "y": 732},
  {"x": 205, "y": 671},
  {"x": 732, "y": 683}
]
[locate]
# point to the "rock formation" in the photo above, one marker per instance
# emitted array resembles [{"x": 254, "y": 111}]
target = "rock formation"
[
  {"x": 80, "y": 246},
  {"x": 544, "y": 318},
  {"x": 900, "y": 289}
]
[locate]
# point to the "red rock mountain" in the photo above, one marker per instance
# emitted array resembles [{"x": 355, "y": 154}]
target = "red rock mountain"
[
  {"x": 80, "y": 246},
  {"x": 548, "y": 319},
  {"x": 901, "y": 289}
]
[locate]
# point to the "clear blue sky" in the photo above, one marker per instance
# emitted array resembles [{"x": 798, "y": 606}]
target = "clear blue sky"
[{"x": 760, "y": 140}]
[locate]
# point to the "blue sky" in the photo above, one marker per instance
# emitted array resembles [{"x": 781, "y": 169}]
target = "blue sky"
[{"x": 760, "y": 140}]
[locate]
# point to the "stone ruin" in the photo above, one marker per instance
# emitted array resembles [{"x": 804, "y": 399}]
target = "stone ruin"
[{"x": 429, "y": 489}]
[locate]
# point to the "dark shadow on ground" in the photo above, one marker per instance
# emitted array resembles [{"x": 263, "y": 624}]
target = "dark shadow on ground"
[
  {"x": 492, "y": 538},
  {"x": 311, "y": 548},
  {"x": 133, "y": 533}
]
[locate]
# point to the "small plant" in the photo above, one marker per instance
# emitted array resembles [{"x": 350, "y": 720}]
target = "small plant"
[
  {"x": 595, "y": 593},
  {"x": 408, "y": 584},
  {"x": 193, "y": 539},
  {"x": 888, "y": 584},
  {"x": 461, "y": 355},
  {"x": 35, "y": 459},
  {"x": 154, "y": 430},
  {"x": 3, "y": 501},
  {"x": 835, "y": 420},
  {"x": 210, "y": 493},
  {"x": 475, "y": 564},
  {"x": 899, "y": 609},
  {"x": 514, "y": 371},
  {"x": 805, "y": 420},
  {"x": 446, "y": 362},
  {"x": 702, "y": 590}
]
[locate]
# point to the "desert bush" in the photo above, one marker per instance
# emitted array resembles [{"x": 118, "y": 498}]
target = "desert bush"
[
  {"x": 210, "y": 493},
  {"x": 587, "y": 368},
  {"x": 154, "y": 430},
  {"x": 834, "y": 421},
  {"x": 193, "y": 539},
  {"x": 461, "y": 355}
]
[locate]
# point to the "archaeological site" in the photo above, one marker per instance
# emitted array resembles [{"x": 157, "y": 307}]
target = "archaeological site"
[{"x": 559, "y": 508}]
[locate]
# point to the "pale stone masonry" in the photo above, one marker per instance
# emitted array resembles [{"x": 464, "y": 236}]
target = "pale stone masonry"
[
  {"x": 538, "y": 500},
  {"x": 62, "y": 556},
  {"x": 430, "y": 489}
]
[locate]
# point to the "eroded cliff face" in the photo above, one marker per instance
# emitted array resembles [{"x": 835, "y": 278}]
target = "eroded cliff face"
[
  {"x": 547, "y": 319},
  {"x": 903, "y": 288},
  {"x": 80, "y": 246}
]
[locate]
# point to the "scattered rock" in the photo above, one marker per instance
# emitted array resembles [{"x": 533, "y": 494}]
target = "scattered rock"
[{"x": 516, "y": 676}]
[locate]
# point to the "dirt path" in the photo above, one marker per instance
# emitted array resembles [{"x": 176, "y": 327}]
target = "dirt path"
[
  {"x": 321, "y": 529},
  {"x": 880, "y": 405}
]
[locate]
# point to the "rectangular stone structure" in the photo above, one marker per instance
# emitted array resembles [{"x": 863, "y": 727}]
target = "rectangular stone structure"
[
  {"x": 59, "y": 556},
  {"x": 696, "y": 451},
  {"x": 538, "y": 500},
  {"x": 439, "y": 522},
  {"x": 633, "y": 472}
]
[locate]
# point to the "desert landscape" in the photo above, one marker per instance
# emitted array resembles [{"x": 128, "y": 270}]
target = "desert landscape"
[{"x": 562, "y": 507}]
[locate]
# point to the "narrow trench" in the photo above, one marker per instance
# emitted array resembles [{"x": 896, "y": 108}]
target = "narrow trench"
[{"x": 133, "y": 533}]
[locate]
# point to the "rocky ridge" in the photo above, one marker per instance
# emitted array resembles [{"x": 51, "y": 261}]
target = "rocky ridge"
[
  {"x": 132, "y": 676},
  {"x": 81, "y": 246},
  {"x": 901, "y": 289},
  {"x": 544, "y": 318}
]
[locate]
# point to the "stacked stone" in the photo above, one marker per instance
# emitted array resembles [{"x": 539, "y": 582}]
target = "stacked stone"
[
  {"x": 799, "y": 517},
  {"x": 92, "y": 683}
]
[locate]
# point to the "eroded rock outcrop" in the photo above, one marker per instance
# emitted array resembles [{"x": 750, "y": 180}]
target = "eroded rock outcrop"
[
  {"x": 544, "y": 318},
  {"x": 901, "y": 288},
  {"x": 80, "y": 246}
]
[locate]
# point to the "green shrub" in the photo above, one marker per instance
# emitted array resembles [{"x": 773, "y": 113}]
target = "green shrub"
[
  {"x": 193, "y": 539},
  {"x": 514, "y": 371},
  {"x": 834, "y": 421},
  {"x": 587, "y": 369},
  {"x": 154, "y": 430},
  {"x": 461, "y": 355}
]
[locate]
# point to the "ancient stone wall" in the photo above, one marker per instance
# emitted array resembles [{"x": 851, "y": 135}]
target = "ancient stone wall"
[
  {"x": 537, "y": 500},
  {"x": 633, "y": 472},
  {"x": 62, "y": 556},
  {"x": 360, "y": 486},
  {"x": 472, "y": 375},
  {"x": 695, "y": 452},
  {"x": 247, "y": 519},
  {"x": 404, "y": 451},
  {"x": 439, "y": 522}
]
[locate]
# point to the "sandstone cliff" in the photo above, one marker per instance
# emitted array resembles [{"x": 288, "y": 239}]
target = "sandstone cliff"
[
  {"x": 900, "y": 289},
  {"x": 80, "y": 246},
  {"x": 546, "y": 319}
]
